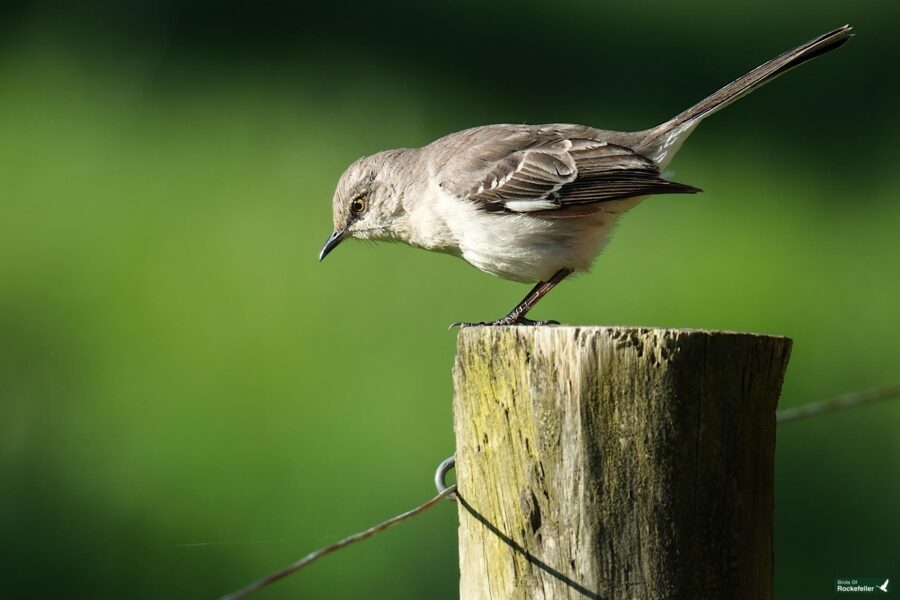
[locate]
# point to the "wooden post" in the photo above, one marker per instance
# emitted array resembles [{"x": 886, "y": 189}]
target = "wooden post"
[{"x": 616, "y": 462}]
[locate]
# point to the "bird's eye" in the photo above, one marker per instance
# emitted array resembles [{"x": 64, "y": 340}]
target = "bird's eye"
[{"x": 358, "y": 206}]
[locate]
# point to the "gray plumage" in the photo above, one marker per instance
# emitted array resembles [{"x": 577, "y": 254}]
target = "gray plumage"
[
  {"x": 531, "y": 203},
  {"x": 547, "y": 170}
]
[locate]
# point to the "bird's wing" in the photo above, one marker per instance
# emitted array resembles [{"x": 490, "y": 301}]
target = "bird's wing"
[{"x": 553, "y": 175}]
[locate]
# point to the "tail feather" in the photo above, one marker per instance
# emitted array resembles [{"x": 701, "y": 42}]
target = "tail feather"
[
  {"x": 764, "y": 74},
  {"x": 665, "y": 136}
]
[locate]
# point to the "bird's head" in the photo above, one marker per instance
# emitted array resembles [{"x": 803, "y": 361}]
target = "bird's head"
[{"x": 367, "y": 203}]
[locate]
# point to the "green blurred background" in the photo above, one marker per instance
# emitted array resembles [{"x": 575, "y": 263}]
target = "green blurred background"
[{"x": 189, "y": 400}]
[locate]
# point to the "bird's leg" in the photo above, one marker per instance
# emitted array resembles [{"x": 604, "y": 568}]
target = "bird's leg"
[{"x": 517, "y": 315}]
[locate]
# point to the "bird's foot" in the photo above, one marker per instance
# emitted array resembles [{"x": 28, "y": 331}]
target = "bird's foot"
[{"x": 505, "y": 321}]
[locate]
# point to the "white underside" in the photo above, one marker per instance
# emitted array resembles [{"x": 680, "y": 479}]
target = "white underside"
[{"x": 520, "y": 247}]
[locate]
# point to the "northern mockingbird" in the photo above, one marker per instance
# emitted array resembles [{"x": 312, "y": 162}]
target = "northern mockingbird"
[{"x": 530, "y": 203}]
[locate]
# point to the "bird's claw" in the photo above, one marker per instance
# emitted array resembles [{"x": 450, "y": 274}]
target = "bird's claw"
[
  {"x": 505, "y": 321},
  {"x": 524, "y": 321}
]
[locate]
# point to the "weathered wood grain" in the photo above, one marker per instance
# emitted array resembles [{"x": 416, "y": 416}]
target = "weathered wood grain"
[{"x": 636, "y": 463}]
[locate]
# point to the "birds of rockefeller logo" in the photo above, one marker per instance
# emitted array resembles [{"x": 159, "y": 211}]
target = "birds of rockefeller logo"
[{"x": 847, "y": 585}]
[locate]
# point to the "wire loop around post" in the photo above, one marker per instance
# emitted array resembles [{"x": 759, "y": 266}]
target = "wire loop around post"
[{"x": 441, "y": 474}]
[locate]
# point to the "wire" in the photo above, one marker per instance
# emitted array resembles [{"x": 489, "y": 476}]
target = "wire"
[
  {"x": 352, "y": 539},
  {"x": 840, "y": 403}
]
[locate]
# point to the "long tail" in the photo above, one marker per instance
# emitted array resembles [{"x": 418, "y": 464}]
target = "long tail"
[{"x": 668, "y": 133}]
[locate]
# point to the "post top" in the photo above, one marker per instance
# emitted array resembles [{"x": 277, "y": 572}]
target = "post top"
[{"x": 607, "y": 331}]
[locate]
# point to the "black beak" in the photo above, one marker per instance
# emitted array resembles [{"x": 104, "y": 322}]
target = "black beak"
[{"x": 331, "y": 243}]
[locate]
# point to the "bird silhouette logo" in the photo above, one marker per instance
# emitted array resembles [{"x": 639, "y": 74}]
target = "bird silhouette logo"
[{"x": 883, "y": 586}]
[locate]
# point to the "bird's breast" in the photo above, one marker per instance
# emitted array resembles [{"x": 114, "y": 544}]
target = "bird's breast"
[{"x": 519, "y": 247}]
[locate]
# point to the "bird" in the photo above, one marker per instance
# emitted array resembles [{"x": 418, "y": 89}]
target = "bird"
[
  {"x": 528, "y": 203},
  {"x": 883, "y": 586}
]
